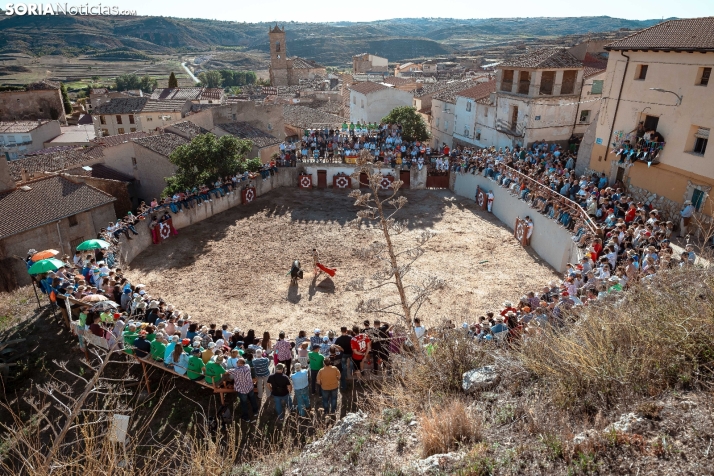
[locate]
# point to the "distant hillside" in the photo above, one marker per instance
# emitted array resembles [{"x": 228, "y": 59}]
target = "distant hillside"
[{"x": 328, "y": 43}]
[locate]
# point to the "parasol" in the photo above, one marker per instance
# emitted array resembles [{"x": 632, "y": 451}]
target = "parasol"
[
  {"x": 47, "y": 254},
  {"x": 103, "y": 305},
  {"x": 46, "y": 265},
  {"x": 95, "y": 298},
  {"x": 93, "y": 245}
]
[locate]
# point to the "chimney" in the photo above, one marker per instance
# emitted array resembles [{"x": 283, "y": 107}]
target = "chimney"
[
  {"x": 6, "y": 181},
  {"x": 24, "y": 176}
]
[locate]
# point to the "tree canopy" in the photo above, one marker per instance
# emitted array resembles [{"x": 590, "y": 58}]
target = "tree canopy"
[
  {"x": 126, "y": 82},
  {"x": 65, "y": 99},
  {"x": 205, "y": 159},
  {"x": 211, "y": 79},
  {"x": 173, "y": 82},
  {"x": 413, "y": 125}
]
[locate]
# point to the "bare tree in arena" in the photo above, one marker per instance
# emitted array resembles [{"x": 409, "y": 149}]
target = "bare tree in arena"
[{"x": 396, "y": 254}]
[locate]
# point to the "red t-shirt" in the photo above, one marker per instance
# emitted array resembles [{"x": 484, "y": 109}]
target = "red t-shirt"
[
  {"x": 359, "y": 344},
  {"x": 630, "y": 215}
]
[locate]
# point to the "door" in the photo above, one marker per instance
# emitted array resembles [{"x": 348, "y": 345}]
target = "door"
[
  {"x": 651, "y": 123},
  {"x": 514, "y": 118},
  {"x": 322, "y": 179},
  {"x": 363, "y": 180},
  {"x": 405, "y": 176},
  {"x": 620, "y": 174}
]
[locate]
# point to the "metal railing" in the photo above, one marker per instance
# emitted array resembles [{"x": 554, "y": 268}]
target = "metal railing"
[{"x": 575, "y": 211}]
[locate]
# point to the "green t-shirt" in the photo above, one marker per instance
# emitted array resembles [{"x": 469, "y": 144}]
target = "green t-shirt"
[
  {"x": 316, "y": 359},
  {"x": 150, "y": 337},
  {"x": 213, "y": 372},
  {"x": 82, "y": 319},
  {"x": 129, "y": 338},
  {"x": 158, "y": 349},
  {"x": 195, "y": 367}
]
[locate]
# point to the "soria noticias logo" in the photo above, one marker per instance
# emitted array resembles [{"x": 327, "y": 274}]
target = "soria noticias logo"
[{"x": 64, "y": 9}]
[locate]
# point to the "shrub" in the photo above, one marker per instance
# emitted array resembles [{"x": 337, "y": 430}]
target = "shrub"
[
  {"x": 442, "y": 430},
  {"x": 659, "y": 335}
]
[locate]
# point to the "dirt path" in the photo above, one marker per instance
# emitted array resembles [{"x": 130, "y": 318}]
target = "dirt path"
[{"x": 231, "y": 268}]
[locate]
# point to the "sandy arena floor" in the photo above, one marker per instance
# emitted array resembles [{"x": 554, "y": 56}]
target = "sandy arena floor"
[{"x": 232, "y": 267}]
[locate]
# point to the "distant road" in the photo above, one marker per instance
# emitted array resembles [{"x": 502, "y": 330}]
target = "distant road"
[{"x": 188, "y": 71}]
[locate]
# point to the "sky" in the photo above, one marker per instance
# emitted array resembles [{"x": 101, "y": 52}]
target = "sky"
[{"x": 293, "y": 10}]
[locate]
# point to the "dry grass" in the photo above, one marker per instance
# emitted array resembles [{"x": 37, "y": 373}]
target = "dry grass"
[
  {"x": 446, "y": 428},
  {"x": 657, "y": 336}
]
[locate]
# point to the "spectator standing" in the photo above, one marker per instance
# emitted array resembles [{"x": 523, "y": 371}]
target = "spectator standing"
[
  {"x": 243, "y": 384},
  {"x": 261, "y": 364},
  {"x": 328, "y": 378},
  {"x": 316, "y": 363},
  {"x": 345, "y": 343},
  {"x": 280, "y": 387},
  {"x": 361, "y": 345},
  {"x": 284, "y": 352},
  {"x": 300, "y": 380}
]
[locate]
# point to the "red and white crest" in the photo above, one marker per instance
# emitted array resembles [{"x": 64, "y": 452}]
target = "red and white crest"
[
  {"x": 164, "y": 230},
  {"x": 385, "y": 184},
  {"x": 341, "y": 182},
  {"x": 520, "y": 230},
  {"x": 249, "y": 195},
  {"x": 305, "y": 181},
  {"x": 481, "y": 198}
]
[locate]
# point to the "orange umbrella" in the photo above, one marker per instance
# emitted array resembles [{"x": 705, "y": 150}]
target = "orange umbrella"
[{"x": 44, "y": 255}]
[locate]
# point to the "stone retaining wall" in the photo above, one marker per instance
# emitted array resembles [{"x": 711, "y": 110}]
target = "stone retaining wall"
[{"x": 552, "y": 242}]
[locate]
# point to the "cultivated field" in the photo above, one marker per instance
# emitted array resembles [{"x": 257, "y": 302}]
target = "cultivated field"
[{"x": 232, "y": 268}]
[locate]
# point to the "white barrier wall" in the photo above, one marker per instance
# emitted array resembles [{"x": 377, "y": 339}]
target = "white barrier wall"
[{"x": 553, "y": 243}]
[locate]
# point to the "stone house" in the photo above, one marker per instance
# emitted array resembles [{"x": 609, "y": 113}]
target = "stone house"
[
  {"x": 136, "y": 114},
  {"x": 441, "y": 119},
  {"x": 473, "y": 110},
  {"x": 39, "y": 101},
  {"x": 366, "y": 63},
  {"x": 49, "y": 212},
  {"x": 18, "y": 138},
  {"x": 660, "y": 77},
  {"x": 407, "y": 69},
  {"x": 195, "y": 95},
  {"x": 370, "y": 101}
]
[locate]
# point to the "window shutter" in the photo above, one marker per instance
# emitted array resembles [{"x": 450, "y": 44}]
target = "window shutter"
[
  {"x": 702, "y": 133},
  {"x": 597, "y": 86}
]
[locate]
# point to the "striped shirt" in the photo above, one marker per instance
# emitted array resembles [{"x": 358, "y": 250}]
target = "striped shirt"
[
  {"x": 242, "y": 381},
  {"x": 283, "y": 349},
  {"x": 261, "y": 366}
]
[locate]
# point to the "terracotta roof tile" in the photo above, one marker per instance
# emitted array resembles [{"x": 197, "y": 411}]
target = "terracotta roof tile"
[
  {"x": 47, "y": 200},
  {"x": 177, "y": 93},
  {"x": 368, "y": 87},
  {"x": 302, "y": 63},
  {"x": 243, "y": 130},
  {"x": 480, "y": 91},
  {"x": 449, "y": 93},
  {"x": 308, "y": 118},
  {"x": 20, "y": 126},
  {"x": 111, "y": 141},
  {"x": 53, "y": 160},
  {"x": 121, "y": 106},
  {"x": 188, "y": 129},
  {"x": 100, "y": 171},
  {"x": 393, "y": 80},
  {"x": 164, "y": 105},
  {"x": 162, "y": 144},
  {"x": 212, "y": 93},
  {"x": 687, "y": 34},
  {"x": 544, "y": 58}
]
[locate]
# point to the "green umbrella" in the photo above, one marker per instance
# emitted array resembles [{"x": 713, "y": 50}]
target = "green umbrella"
[
  {"x": 93, "y": 245},
  {"x": 45, "y": 265}
]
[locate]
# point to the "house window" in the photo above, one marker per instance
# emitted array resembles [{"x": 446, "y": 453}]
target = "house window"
[
  {"x": 547, "y": 79},
  {"x": 568, "y": 86},
  {"x": 133, "y": 161},
  {"x": 118, "y": 119},
  {"x": 105, "y": 132},
  {"x": 507, "y": 80},
  {"x": 73, "y": 220},
  {"x": 132, "y": 129},
  {"x": 597, "y": 86},
  {"x": 703, "y": 76},
  {"x": 73, "y": 244},
  {"x": 701, "y": 137},
  {"x": 585, "y": 116},
  {"x": 468, "y": 106},
  {"x": 651, "y": 123},
  {"x": 149, "y": 118},
  {"x": 362, "y": 103},
  {"x": 120, "y": 130},
  {"x": 354, "y": 100},
  {"x": 477, "y": 135},
  {"x": 697, "y": 198},
  {"x": 524, "y": 82},
  {"x": 514, "y": 118},
  {"x": 102, "y": 120},
  {"x": 641, "y": 72},
  {"x": 131, "y": 118},
  {"x": 466, "y": 131},
  {"x": 485, "y": 112}
]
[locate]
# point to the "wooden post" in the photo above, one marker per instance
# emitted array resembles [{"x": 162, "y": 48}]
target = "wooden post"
[{"x": 146, "y": 376}]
